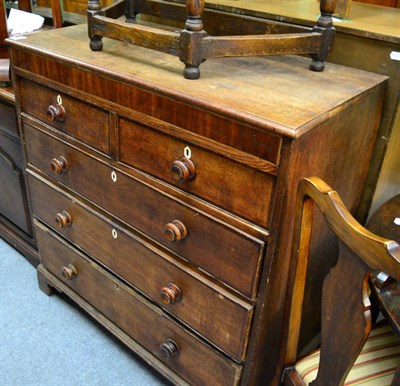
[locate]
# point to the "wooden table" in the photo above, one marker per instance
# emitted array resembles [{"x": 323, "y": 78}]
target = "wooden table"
[{"x": 386, "y": 289}]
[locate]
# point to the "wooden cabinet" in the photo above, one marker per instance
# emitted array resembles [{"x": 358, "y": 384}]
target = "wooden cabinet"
[
  {"x": 15, "y": 215},
  {"x": 164, "y": 207}
]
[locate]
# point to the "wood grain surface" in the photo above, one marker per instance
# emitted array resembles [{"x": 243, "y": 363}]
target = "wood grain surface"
[
  {"x": 227, "y": 320},
  {"x": 365, "y": 20},
  {"x": 263, "y": 83}
]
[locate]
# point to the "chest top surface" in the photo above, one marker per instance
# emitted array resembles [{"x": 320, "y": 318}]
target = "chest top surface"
[{"x": 278, "y": 93}]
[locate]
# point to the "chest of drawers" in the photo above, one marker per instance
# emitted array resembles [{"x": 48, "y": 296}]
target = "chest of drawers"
[{"x": 164, "y": 207}]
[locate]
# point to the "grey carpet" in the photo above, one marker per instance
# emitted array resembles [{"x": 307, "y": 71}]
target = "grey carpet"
[{"x": 47, "y": 341}]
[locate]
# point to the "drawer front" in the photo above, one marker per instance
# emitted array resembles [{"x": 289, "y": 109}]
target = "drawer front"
[
  {"x": 225, "y": 320},
  {"x": 80, "y": 120},
  {"x": 232, "y": 185},
  {"x": 195, "y": 361},
  {"x": 172, "y": 110},
  {"x": 236, "y": 261}
]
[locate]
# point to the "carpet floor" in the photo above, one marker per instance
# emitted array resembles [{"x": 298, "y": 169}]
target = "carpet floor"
[{"x": 49, "y": 341}]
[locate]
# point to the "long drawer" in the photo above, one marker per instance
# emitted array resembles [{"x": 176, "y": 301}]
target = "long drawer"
[
  {"x": 235, "y": 261},
  {"x": 188, "y": 356},
  {"x": 223, "y": 179},
  {"x": 187, "y": 295}
]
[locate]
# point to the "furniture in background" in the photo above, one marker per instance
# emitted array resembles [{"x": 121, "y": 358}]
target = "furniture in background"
[
  {"x": 193, "y": 45},
  {"x": 385, "y": 3},
  {"x": 346, "y": 316},
  {"x": 15, "y": 216},
  {"x": 164, "y": 207},
  {"x": 72, "y": 11},
  {"x": 386, "y": 223},
  {"x": 56, "y": 12},
  {"x": 3, "y": 31},
  {"x": 343, "y": 7},
  {"x": 78, "y": 7}
]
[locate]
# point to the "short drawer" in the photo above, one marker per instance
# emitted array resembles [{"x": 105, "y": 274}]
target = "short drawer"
[
  {"x": 192, "y": 359},
  {"x": 235, "y": 261},
  {"x": 226, "y": 320},
  {"x": 235, "y": 186},
  {"x": 75, "y": 118}
]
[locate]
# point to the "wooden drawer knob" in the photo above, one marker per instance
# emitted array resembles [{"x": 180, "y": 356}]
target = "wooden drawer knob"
[
  {"x": 63, "y": 219},
  {"x": 69, "y": 272},
  {"x": 59, "y": 165},
  {"x": 183, "y": 169},
  {"x": 171, "y": 294},
  {"x": 169, "y": 349},
  {"x": 56, "y": 113},
  {"x": 175, "y": 231}
]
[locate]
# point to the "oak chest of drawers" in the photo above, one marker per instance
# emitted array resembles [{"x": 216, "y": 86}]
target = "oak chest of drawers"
[{"x": 164, "y": 206}]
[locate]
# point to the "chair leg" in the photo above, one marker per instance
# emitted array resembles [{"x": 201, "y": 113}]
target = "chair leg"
[
  {"x": 341, "y": 301},
  {"x": 291, "y": 378},
  {"x": 396, "y": 378},
  {"x": 131, "y": 11}
]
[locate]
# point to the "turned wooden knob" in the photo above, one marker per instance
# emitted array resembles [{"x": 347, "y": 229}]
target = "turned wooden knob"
[
  {"x": 175, "y": 231},
  {"x": 183, "y": 169},
  {"x": 171, "y": 294},
  {"x": 169, "y": 349},
  {"x": 63, "y": 219},
  {"x": 56, "y": 113},
  {"x": 59, "y": 165},
  {"x": 69, "y": 272}
]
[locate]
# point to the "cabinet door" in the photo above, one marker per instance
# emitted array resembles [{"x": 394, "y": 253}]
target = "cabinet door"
[
  {"x": 13, "y": 202},
  {"x": 8, "y": 122}
]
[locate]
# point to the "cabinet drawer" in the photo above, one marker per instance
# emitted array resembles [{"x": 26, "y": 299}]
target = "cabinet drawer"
[
  {"x": 232, "y": 185},
  {"x": 171, "y": 285},
  {"x": 193, "y": 360},
  {"x": 236, "y": 261},
  {"x": 80, "y": 120}
]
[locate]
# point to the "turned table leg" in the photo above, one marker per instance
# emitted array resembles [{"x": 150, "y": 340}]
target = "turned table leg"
[
  {"x": 131, "y": 11},
  {"x": 191, "y": 39},
  {"x": 96, "y": 43},
  {"x": 325, "y": 27}
]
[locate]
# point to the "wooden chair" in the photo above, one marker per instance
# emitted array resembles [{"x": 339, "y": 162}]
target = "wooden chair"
[{"x": 346, "y": 317}]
